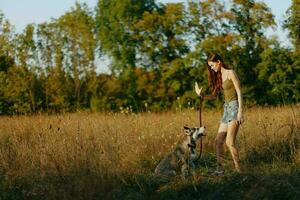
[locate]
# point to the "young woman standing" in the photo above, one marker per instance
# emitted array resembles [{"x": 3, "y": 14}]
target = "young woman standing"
[{"x": 221, "y": 77}]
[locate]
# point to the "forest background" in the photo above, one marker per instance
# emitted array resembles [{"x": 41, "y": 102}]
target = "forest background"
[{"x": 157, "y": 52}]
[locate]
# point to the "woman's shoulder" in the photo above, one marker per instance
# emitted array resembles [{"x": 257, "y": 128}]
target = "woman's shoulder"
[
  {"x": 230, "y": 70},
  {"x": 232, "y": 74}
]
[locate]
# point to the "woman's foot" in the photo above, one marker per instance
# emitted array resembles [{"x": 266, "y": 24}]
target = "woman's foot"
[{"x": 238, "y": 169}]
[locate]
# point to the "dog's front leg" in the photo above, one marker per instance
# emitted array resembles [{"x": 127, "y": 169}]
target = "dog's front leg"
[
  {"x": 184, "y": 169},
  {"x": 192, "y": 168}
]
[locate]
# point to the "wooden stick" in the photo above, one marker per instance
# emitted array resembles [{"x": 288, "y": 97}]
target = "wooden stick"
[{"x": 200, "y": 122}]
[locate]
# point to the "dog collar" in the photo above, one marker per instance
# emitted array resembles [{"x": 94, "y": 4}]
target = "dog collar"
[{"x": 192, "y": 146}]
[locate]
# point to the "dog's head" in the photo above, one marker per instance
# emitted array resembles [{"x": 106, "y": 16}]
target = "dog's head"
[{"x": 194, "y": 134}]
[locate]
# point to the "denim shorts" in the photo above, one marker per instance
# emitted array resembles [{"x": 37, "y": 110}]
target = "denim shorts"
[{"x": 230, "y": 111}]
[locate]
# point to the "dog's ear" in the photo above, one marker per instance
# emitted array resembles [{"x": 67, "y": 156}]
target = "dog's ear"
[{"x": 187, "y": 130}]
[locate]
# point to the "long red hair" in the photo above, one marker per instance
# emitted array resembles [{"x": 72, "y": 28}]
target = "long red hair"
[{"x": 215, "y": 78}]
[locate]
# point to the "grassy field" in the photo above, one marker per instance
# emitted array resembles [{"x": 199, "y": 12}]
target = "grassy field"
[{"x": 112, "y": 156}]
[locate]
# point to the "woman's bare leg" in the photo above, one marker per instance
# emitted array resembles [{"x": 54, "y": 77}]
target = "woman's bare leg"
[
  {"x": 219, "y": 144},
  {"x": 232, "y": 130}
]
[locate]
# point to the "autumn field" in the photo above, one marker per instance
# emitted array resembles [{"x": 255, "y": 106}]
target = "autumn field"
[{"x": 112, "y": 156}]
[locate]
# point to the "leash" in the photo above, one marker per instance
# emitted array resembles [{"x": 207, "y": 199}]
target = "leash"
[{"x": 200, "y": 122}]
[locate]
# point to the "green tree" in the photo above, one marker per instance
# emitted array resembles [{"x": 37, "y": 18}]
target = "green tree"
[
  {"x": 25, "y": 47},
  {"x": 18, "y": 90},
  {"x": 115, "y": 23},
  {"x": 277, "y": 77},
  {"x": 6, "y": 60},
  {"x": 107, "y": 93},
  {"x": 26, "y": 57},
  {"x": 163, "y": 46},
  {"x": 76, "y": 28},
  {"x": 292, "y": 23},
  {"x": 251, "y": 19},
  {"x": 162, "y": 36},
  {"x": 6, "y": 44}
]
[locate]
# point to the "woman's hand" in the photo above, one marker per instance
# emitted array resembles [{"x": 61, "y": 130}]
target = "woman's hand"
[
  {"x": 240, "y": 118},
  {"x": 198, "y": 91}
]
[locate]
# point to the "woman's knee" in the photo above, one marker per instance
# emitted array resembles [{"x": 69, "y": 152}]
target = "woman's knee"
[
  {"x": 219, "y": 141},
  {"x": 230, "y": 144}
]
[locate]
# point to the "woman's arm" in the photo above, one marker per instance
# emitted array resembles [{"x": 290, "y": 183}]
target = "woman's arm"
[
  {"x": 237, "y": 86},
  {"x": 204, "y": 97},
  {"x": 209, "y": 97}
]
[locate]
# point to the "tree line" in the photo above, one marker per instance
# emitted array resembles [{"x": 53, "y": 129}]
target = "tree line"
[{"x": 156, "y": 51}]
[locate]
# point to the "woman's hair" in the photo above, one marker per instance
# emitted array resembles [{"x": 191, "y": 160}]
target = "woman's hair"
[{"x": 215, "y": 78}]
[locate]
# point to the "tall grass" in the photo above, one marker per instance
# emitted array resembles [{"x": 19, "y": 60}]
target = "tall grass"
[{"x": 112, "y": 156}]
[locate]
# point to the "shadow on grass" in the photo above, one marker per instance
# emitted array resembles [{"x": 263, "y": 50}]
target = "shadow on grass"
[
  {"x": 237, "y": 186},
  {"x": 75, "y": 185},
  {"x": 79, "y": 184},
  {"x": 231, "y": 186},
  {"x": 282, "y": 182}
]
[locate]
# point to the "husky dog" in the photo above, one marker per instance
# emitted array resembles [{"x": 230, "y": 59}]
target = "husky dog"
[{"x": 183, "y": 155}]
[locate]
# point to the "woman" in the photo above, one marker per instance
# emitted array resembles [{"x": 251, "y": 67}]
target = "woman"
[{"x": 221, "y": 77}]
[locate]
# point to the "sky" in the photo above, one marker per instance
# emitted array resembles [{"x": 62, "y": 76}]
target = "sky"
[{"x": 23, "y": 12}]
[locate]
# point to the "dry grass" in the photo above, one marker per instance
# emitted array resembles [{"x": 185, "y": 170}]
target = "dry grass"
[{"x": 109, "y": 156}]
